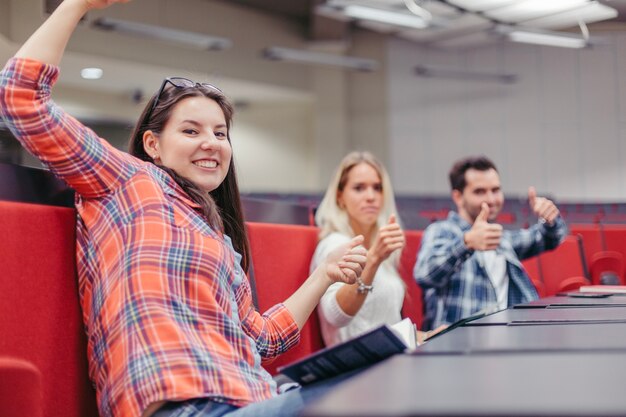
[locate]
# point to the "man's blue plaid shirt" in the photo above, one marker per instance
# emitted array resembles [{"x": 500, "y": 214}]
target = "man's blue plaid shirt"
[{"x": 453, "y": 278}]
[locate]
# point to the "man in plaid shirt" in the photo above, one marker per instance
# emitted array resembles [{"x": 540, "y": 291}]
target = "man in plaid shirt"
[{"x": 467, "y": 263}]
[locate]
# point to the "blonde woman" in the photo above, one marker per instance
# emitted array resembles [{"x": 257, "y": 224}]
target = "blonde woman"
[{"x": 360, "y": 201}]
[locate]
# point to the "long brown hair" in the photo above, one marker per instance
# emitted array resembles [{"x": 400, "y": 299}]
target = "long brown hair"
[{"x": 221, "y": 207}]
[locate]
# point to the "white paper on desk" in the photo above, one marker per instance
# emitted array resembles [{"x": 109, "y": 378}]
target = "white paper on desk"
[{"x": 407, "y": 332}]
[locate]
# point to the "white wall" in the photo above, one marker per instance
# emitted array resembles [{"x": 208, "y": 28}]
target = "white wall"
[
  {"x": 561, "y": 127},
  {"x": 367, "y": 98},
  {"x": 273, "y": 146},
  {"x": 4, "y": 15}
]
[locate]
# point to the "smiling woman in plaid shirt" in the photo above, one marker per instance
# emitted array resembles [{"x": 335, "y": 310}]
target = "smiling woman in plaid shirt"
[{"x": 162, "y": 249}]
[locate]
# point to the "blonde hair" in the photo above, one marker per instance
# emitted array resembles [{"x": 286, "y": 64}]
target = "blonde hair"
[{"x": 332, "y": 218}]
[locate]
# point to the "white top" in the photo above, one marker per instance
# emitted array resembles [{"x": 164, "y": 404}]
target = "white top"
[
  {"x": 495, "y": 265},
  {"x": 382, "y": 305}
]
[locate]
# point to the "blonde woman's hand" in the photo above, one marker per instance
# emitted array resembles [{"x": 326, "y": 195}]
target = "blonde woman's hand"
[
  {"x": 390, "y": 238},
  {"x": 346, "y": 263}
]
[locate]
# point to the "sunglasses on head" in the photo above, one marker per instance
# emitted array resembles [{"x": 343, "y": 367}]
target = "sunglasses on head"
[{"x": 178, "y": 82}]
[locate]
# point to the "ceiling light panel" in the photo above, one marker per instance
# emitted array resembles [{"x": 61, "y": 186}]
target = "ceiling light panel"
[
  {"x": 276, "y": 53},
  {"x": 481, "y": 5},
  {"x": 385, "y": 16},
  {"x": 547, "y": 39},
  {"x": 592, "y": 12},
  {"x": 183, "y": 37},
  {"x": 381, "y": 4},
  {"x": 532, "y": 9},
  {"x": 464, "y": 75},
  {"x": 441, "y": 10},
  {"x": 462, "y": 26}
]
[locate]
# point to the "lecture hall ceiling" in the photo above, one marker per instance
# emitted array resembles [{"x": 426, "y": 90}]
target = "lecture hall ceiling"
[{"x": 455, "y": 23}]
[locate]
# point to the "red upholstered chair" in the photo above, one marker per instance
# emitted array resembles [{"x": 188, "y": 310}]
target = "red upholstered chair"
[
  {"x": 281, "y": 257},
  {"x": 533, "y": 269},
  {"x": 572, "y": 284},
  {"x": 20, "y": 388},
  {"x": 615, "y": 240},
  {"x": 40, "y": 316},
  {"x": 602, "y": 238},
  {"x": 607, "y": 262},
  {"x": 564, "y": 262},
  {"x": 412, "y": 306},
  {"x": 592, "y": 238}
]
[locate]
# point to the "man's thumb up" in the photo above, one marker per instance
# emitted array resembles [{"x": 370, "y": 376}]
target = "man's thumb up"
[
  {"x": 532, "y": 197},
  {"x": 483, "y": 216}
]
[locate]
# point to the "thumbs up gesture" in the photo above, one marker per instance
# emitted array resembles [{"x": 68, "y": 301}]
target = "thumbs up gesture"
[
  {"x": 483, "y": 235},
  {"x": 346, "y": 262},
  {"x": 389, "y": 238},
  {"x": 542, "y": 207}
]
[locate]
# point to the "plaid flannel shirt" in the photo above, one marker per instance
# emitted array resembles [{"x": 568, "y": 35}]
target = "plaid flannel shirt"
[
  {"x": 455, "y": 282},
  {"x": 166, "y": 306}
]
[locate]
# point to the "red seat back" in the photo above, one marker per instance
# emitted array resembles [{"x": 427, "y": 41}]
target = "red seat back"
[
  {"x": 281, "y": 257},
  {"x": 533, "y": 269},
  {"x": 564, "y": 262},
  {"x": 20, "y": 388},
  {"x": 606, "y": 261},
  {"x": 40, "y": 316},
  {"x": 412, "y": 306},
  {"x": 615, "y": 239},
  {"x": 591, "y": 236}
]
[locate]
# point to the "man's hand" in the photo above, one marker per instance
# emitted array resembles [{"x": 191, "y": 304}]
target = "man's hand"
[
  {"x": 542, "y": 207},
  {"x": 483, "y": 235},
  {"x": 346, "y": 263},
  {"x": 389, "y": 238}
]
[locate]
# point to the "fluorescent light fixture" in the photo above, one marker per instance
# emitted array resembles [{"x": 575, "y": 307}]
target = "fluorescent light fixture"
[
  {"x": 480, "y": 5},
  {"x": 464, "y": 75},
  {"x": 192, "y": 39},
  {"x": 591, "y": 12},
  {"x": 541, "y": 37},
  {"x": 385, "y": 16},
  {"x": 319, "y": 58},
  {"x": 547, "y": 40},
  {"x": 91, "y": 73},
  {"x": 532, "y": 9}
]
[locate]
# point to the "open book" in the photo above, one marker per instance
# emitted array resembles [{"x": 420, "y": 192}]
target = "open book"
[
  {"x": 364, "y": 350},
  {"x": 479, "y": 314}
]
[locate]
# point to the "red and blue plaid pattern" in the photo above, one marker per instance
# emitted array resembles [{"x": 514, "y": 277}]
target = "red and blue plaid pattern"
[{"x": 166, "y": 306}]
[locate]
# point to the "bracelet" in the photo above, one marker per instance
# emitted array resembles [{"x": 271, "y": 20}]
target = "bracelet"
[{"x": 363, "y": 288}]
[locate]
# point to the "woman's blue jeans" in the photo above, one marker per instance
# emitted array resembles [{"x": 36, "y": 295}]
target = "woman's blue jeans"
[{"x": 289, "y": 404}]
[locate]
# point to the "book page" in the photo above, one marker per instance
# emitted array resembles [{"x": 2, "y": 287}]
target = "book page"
[{"x": 407, "y": 332}]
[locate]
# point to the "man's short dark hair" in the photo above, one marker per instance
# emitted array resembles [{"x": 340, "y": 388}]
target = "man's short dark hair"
[{"x": 457, "y": 173}]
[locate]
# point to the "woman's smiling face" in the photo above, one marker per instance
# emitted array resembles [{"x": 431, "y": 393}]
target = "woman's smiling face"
[{"x": 194, "y": 142}]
